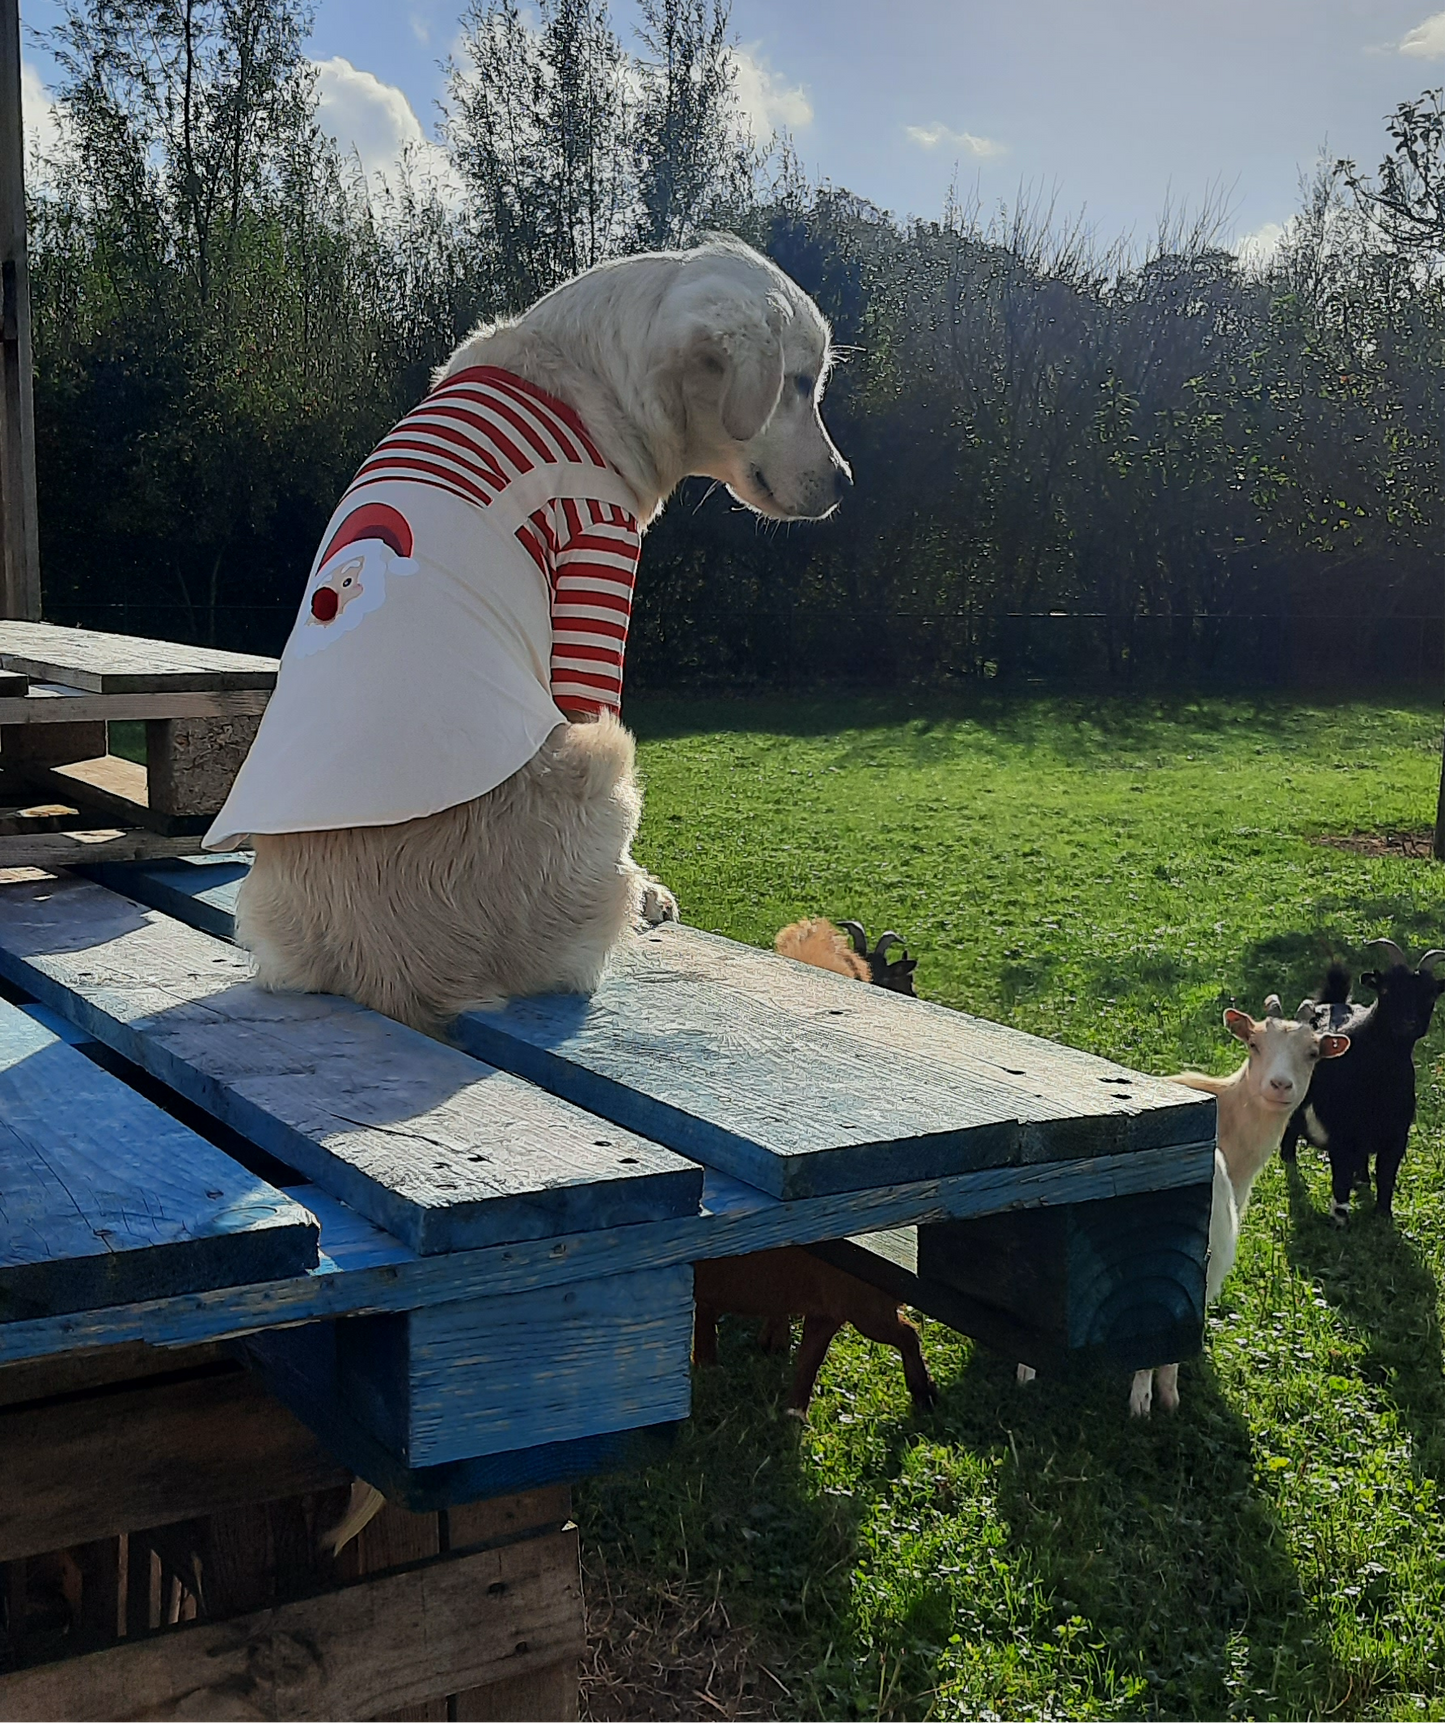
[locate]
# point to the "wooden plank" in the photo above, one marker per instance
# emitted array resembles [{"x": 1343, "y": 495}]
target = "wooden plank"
[
  {"x": 109, "y": 787},
  {"x": 471, "y": 1377},
  {"x": 79, "y": 1372},
  {"x": 198, "y": 890},
  {"x": 546, "y": 1695},
  {"x": 105, "y": 1199},
  {"x": 98, "y": 1464},
  {"x": 100, "y": 663},
  {"x": 1114, "y": 1109},
  {"x": 31, "y": 748},
  {"x": 456, "y": 1622},
  {"x": 54, "y": 703},
  {"x": 53, "y": 850},
  {"x": 802, "y": 1082},
  {"x": 1078, "y": 1287},
  {"x": 26, "y": 820},
  {"x": 444, "y": 1153},
  {"x": 372, "y": 1272},
  {"x": 19, "y": 521}
]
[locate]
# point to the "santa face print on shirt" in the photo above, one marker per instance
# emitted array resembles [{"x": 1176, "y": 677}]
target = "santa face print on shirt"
[{"x": 349, "y": 582}]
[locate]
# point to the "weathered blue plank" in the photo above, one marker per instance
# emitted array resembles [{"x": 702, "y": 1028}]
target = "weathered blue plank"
[
  {"x": 372, "y": 1272},
  {"x": 485, "y": 1375},
  {"x": 200, "y": 891},
  {"x": 106, "y": 1200},
  {"x": 795, "y": 1080},
  {"x": 301, "y": 1376},
  {"x": 441, "y": 1151},
  {"x": 803, "y": 1083}
]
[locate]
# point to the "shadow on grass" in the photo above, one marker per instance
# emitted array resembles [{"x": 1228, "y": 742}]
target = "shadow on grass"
[
  {"x": 1016, "y": 1548},
  {"x": 1072, "y": 726},
  {"x": 1155, "y": 1533},
  {"x": 1379, "y": 1281}
]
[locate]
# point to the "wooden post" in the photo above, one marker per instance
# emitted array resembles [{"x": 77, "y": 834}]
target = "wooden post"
[
  {"x": 19, "y": 536},
  {"x": 1438, "y": 847}
]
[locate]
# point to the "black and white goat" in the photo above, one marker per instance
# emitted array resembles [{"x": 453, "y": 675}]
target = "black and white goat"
[
  {"x": 897, "y": 975},
  {"x": 1364, "y": 1105}
]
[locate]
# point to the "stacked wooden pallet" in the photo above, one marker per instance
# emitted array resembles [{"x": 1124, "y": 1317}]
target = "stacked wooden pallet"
[
  {"x": 64, "y": 794},
  {"x": 254, "y": 1245}
]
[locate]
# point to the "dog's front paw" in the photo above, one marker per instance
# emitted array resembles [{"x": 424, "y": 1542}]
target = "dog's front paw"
[{"x": 657, "y": 903}]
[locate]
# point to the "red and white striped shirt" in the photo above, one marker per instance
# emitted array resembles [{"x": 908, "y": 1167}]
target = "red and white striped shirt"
[
  {"x": 476, "y": 433},
  {"x": 473, "y": 590}
]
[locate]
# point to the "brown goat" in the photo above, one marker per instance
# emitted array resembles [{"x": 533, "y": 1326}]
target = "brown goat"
[{"x": 780, "y": 1284}]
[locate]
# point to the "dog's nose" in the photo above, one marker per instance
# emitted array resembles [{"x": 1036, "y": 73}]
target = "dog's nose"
[{"x": 842, "y": 481}]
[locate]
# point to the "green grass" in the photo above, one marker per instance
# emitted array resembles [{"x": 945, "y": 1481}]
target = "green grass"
[{"x": 1112, "y": 874}]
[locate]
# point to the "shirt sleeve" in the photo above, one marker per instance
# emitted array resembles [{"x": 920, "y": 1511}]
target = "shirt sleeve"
[{"x": 595, "y": 567}]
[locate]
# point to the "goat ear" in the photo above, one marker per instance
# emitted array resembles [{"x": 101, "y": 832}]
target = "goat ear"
[
  {"x": 1371, "y": 979},
  {"x": 1331, "y": 1046},
  {"x": 1239, "y": 1024}
]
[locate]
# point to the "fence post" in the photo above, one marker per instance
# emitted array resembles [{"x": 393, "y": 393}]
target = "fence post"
[
  {"x": 1437, "y": 848},
  {"x": 19, "y": 536}
]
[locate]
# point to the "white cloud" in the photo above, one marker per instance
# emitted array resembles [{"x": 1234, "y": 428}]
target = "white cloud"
[
  {"x": 42, "y": 129},
  {"x": 1255, "y": 250},
  {"x": 767, "y": 104},
  {"x": 930, "y": 137},
  {"x": 377, "y": 122},
  {"x": 1426, "y": 41}
]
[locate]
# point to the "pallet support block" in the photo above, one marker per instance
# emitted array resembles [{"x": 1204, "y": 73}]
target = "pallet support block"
[
  {"x": 490, "y": 1395},
  {"x": 1117, "y": 1283},
  {"x": 33, "y": 747},
  {"x": 192, "y": 762}
]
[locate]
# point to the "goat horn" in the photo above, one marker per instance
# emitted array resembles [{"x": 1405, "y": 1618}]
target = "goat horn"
[
  {"x": 1429, "y": 958},
  {"x": 1306, "y": 1012},
  {"x": 887, "y": 939},
  {"x": 855, "y": 932},
  {"x": 1272, "y": 1006},
  {"x": 1396, "y": 955}
]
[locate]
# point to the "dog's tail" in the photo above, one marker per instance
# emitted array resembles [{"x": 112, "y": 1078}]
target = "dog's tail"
[
  {"x": 820, "y": 943},
  {"x": 365, "y": 1504}
]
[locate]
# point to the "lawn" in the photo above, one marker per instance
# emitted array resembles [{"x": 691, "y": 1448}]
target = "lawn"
[{"x": 1111, "y": 873}]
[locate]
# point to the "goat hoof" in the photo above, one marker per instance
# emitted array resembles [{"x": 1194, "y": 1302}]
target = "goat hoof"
[
  {"x": 926, "y": 1401},
  {"x": 1339, "y": 1213},
  {"x": 1024, "y": 1375},
  {"x": 798, "y": 1412}
]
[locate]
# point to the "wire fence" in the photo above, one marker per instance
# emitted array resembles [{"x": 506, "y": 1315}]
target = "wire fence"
[{"x": 787, "y": 647}]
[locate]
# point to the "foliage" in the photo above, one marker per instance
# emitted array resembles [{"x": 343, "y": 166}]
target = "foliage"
[
  {"x": 227, "y": 317},
  {"x": 1113, "y": 873}
]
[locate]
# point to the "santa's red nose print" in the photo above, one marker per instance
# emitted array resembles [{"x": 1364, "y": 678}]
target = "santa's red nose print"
[{"x": 324, "y": 603}]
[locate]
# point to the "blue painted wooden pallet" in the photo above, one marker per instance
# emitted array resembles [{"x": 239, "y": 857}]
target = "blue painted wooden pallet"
[
  {"x": 796, "y": 1080},
  {"x": 443, "y": 1152},
  {"x": 106, "y": 1200},
  {"x": 200, "y": 891}
]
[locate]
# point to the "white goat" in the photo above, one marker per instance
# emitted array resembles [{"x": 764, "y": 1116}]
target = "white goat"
[{"x": 1254, "y": 1106}]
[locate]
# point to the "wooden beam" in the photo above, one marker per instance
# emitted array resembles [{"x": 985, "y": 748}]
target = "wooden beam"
[
  {"x": 450, "y": 1625},
  {"x": 101, "y": 1464},
  {"x": 51, "y": 850},
  {"x": 52, "y": 703},
  {"x": 19, "y": 533}
]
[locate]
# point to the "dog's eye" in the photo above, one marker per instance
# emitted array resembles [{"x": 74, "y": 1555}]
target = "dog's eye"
[{"x": 805, "y": 383}]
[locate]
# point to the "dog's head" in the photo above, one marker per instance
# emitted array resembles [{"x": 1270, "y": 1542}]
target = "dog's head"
[{"x": 750, "y": 354}]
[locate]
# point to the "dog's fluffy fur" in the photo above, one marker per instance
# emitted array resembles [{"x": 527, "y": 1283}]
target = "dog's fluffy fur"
[{"x": 708, "y": 362}]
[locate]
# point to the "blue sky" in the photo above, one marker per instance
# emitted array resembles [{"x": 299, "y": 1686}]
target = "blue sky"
[{"x": 1113, "y": 107}]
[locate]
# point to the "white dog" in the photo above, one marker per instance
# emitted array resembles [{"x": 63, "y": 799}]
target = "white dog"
[{"x": 430, "y": 833}]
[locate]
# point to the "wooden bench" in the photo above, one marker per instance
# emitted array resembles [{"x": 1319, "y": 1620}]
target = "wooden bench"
[
  {"x": 500, "y": 1297},
  {"x": 64, "y": 794}
]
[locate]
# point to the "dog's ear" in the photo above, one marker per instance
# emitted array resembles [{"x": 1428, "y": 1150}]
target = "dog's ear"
[{"x": 736, "y": 360}]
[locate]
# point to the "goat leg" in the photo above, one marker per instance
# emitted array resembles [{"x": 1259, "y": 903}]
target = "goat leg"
[
  {"x": 1293, "y": 1131},
  {"x": 1343, "y": 1163},
  {"x": 1387, "y": 1170},
  {"x": 1141, "y": 1393},
  {"x": 818, "y": 1332},
  {"x": 895, "y": 1329},
  {"x": 704, "y": 1336},
  {"x": 776, "y": 1334}
]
